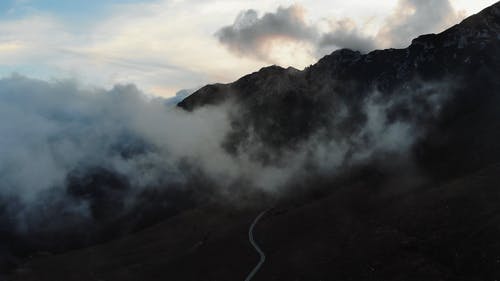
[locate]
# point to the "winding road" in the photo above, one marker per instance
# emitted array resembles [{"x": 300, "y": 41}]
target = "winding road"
[{"x": 256, "y": 246}]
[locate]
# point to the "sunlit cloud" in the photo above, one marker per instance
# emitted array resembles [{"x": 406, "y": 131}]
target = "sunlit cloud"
[{"x": 164, "y": 46}]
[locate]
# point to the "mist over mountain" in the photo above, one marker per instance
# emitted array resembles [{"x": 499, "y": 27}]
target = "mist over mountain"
[
  {"x": 83, "y": 166},
  {"x": 435, "y": 82}
]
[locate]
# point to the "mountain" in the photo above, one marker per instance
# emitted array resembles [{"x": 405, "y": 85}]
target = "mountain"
[
  {"x": 410, "y": 192},
  {"x": 285, "y": 106}
]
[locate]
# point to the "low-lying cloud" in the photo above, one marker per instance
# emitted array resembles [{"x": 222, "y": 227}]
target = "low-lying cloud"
[
  {"x": 51, "y": 128},
  {"x": 83, "y": 160}
]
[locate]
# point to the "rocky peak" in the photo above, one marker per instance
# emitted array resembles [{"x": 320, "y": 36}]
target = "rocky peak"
[
  {"x": 469, "y": 44},
  {"x": 481, "y": 28},
  {"x": 282, "y": 106},
  {"x": 341, "y": 56}
]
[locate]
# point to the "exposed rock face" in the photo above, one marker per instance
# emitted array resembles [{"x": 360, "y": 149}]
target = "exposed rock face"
[{"x": 283, "y": 107}]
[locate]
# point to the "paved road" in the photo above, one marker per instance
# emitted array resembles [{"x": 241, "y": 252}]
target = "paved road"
[{"x": 257, "y": 248}]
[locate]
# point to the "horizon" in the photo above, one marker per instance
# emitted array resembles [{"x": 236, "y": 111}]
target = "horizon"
[{"x": 165, "y": 47}]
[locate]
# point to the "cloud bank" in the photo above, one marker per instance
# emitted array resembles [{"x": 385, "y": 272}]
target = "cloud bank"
[
  {"x": 93, "y": 164},
  {"x": 52, "y": 131}
]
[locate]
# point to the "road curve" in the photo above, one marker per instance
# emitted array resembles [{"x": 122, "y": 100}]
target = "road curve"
[{"x": 257, "y": 248}]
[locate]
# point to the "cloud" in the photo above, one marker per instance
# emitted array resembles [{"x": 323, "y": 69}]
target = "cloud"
[
  {"x": 52, "y": 129},
  {"x": 253, "y": 35},
  {"x": 412, "y": 18},
  {"x": 178, "y": 49},
  {"x": 112, "y": 49},
  {"x": 82, "y": 162},
  {"x": 75, "y": 158},
  {"x": 345, "y": 34}
]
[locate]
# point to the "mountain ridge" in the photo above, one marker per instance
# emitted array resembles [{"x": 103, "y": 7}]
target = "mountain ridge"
[
  {"x": 282, "y": 108},
  {"x": 472, "y": 27}
]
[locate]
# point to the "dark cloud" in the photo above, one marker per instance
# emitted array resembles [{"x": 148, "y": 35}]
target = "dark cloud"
[
  {"x": 345, "y": 34},
  {"x": 251, "y": 35}
]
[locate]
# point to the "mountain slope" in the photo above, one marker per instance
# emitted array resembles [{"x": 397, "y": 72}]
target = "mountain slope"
[{"x": 358, "y": 232}]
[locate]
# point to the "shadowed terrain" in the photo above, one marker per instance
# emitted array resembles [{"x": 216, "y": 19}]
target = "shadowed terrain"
[
  {"x": 357, "y": 232},
  {"x": 378, "y": 166}
]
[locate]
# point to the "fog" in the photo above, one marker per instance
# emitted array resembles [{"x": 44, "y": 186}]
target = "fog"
[{"x": 100, "y": 162}]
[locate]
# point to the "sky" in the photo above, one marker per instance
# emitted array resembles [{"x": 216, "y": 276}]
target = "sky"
[{"x": 164, "y": 46}]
